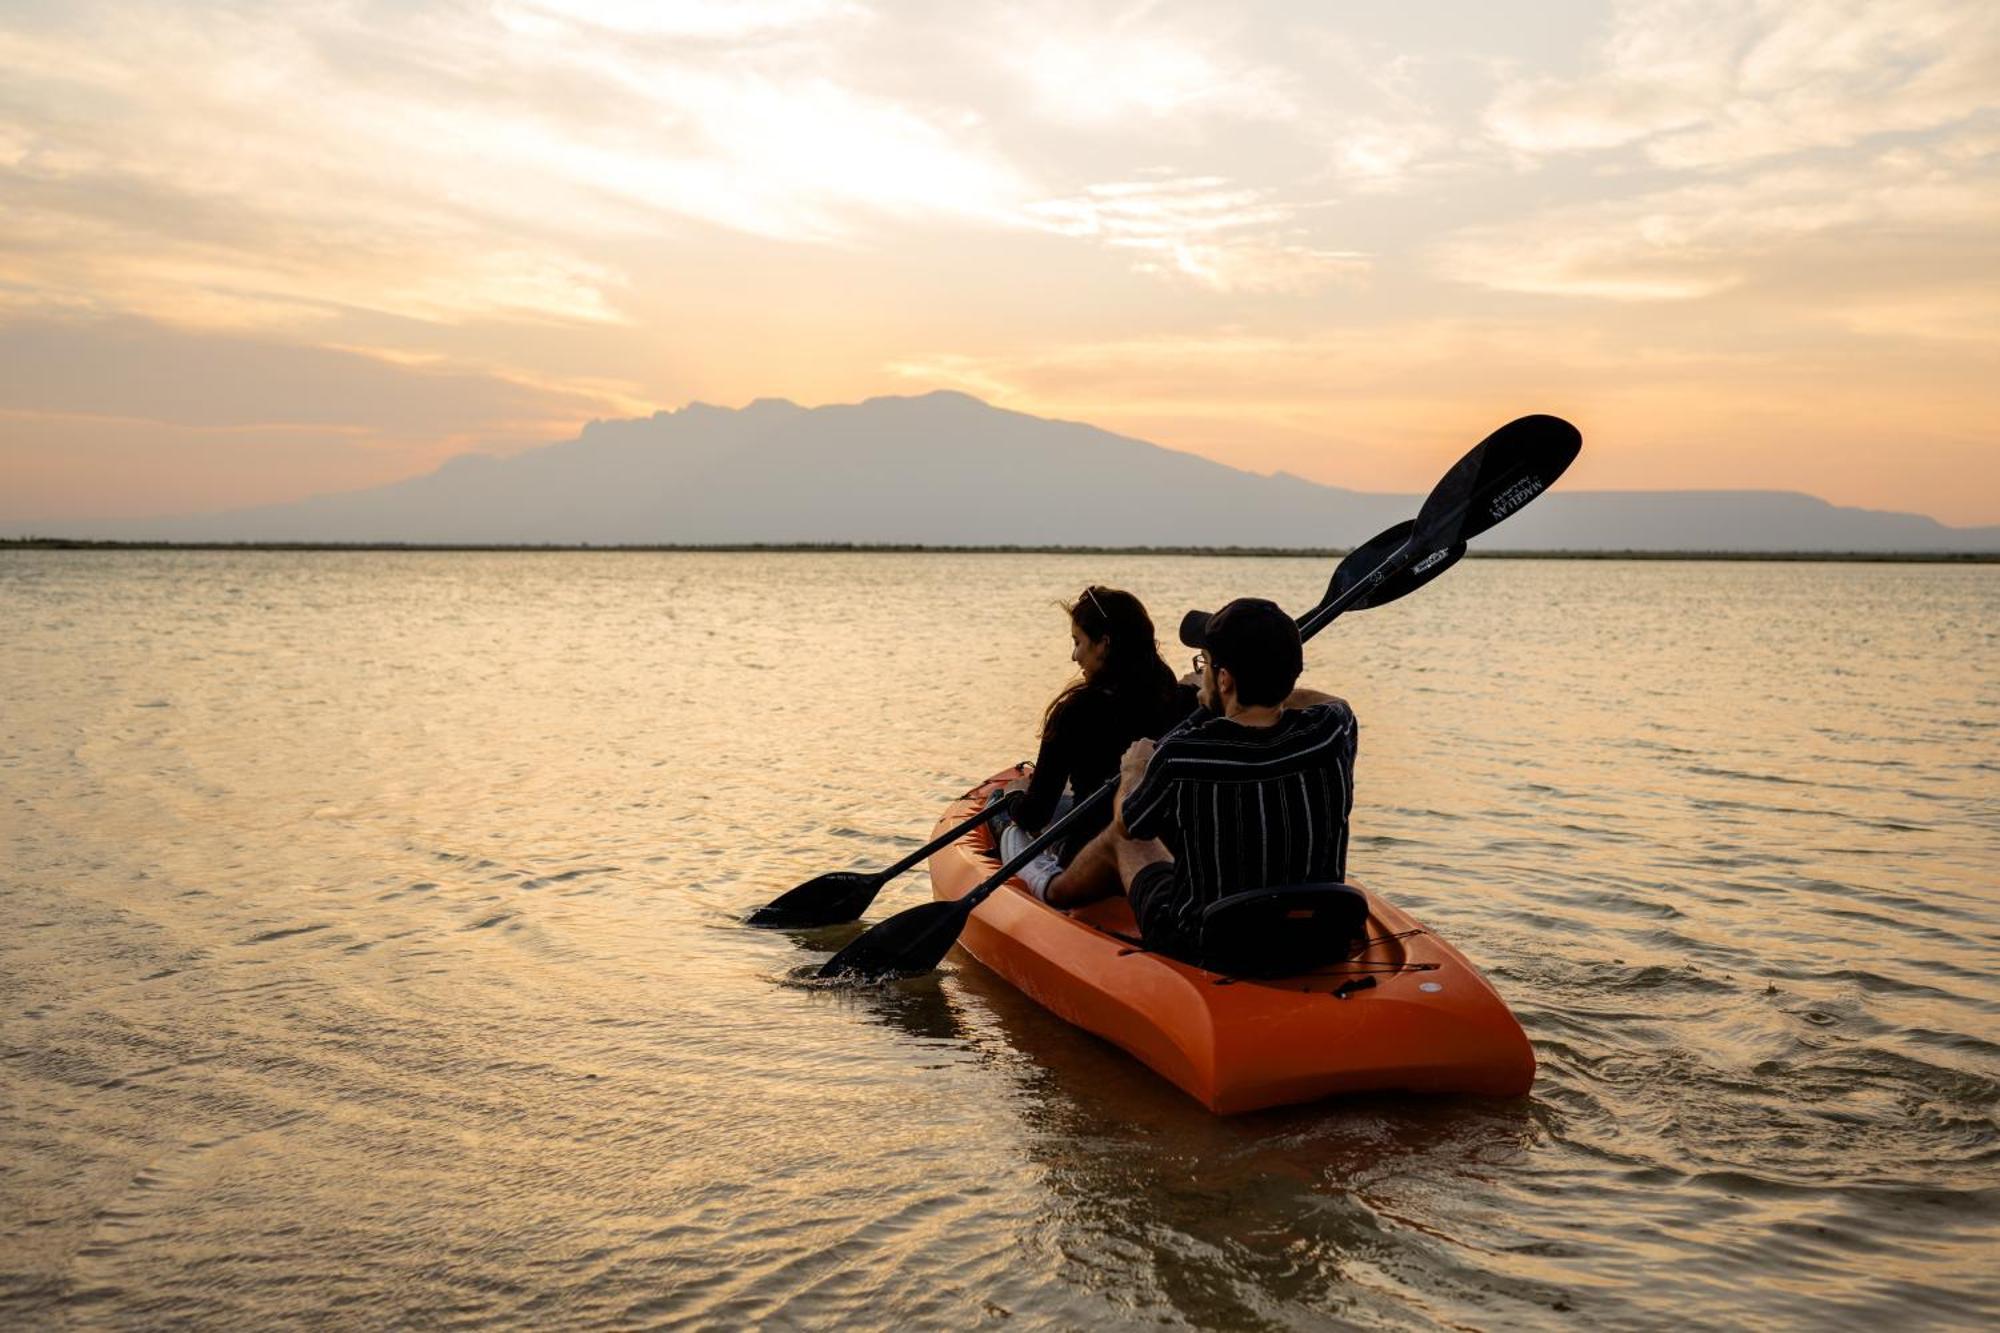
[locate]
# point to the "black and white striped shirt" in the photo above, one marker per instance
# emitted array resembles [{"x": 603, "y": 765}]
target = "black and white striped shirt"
[{"x": 1249, "y": 807}]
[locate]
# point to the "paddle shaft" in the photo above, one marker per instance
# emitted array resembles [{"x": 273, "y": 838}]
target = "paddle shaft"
[
  {"x": 1315, "y": 620},
  {"x": 942, "y": 840}
]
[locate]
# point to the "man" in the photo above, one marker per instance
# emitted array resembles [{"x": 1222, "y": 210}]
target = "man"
[{"x": 1257, "y": 796}]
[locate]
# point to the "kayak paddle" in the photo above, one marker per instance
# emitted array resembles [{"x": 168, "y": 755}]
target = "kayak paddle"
[
  {"x": 1501, "y": 473},
  {"x": 1496, "y": 477},
  {"x": 845, "y": 894}
]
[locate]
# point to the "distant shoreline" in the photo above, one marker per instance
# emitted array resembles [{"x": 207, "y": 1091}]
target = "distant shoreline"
[{"x": 897, "y": 548}]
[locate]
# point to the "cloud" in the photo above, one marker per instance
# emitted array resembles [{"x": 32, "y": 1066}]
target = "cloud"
[
  {"x": 1135, "y": 66},
  {"x": 1377, "y": 154},
  {"x": 709, "y": 20},
  {"x": 96, "y": 242},
  {"x": 1701, "y": 239},
  {"x": 1390, "y": 115},
  {"x": 1701, "y": 84},
  {"x": 1957, "y": 313},
  {"x": 458, "y": 164},
  {"x": 1244, "y": 371},
  {"x": 144, "y": 419},
  {"x": 138, "y": 371},
  {"x": 445, "y": 164},
  {"x": 1203, "y": 228}
]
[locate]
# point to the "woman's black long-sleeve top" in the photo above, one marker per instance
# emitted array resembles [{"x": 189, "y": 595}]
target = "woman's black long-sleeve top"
[{"x": 1081, "y": 747}]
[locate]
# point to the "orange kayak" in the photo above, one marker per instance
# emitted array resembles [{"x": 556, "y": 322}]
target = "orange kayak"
[{"x": 1428, "y": 1023}]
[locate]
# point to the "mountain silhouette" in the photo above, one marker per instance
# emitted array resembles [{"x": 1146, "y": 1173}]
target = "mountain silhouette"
[{"x": 947, "y": 469}]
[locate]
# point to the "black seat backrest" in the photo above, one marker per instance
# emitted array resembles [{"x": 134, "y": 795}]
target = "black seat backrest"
[{"x": 1281, "y": 932}]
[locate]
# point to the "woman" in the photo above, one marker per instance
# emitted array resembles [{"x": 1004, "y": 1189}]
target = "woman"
[{"x": 1126, "y": 693}]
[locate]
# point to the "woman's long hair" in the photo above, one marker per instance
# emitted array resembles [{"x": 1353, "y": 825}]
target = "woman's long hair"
[{"x": 1132, "y": 674}]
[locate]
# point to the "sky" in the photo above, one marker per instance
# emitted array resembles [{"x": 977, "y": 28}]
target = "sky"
[{"x": 256, "y": 251}]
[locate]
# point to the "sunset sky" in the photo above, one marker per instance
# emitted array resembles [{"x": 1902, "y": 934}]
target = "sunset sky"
[{"x": 255, "y": 251}]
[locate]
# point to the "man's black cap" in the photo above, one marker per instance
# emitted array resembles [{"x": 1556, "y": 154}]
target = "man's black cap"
[{"x": 1248, "y": 634}]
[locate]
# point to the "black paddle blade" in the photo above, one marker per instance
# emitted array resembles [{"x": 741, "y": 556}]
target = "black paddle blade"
[
  {"x": 826, "y": 901},
  {"x": 845, "y": 894},
  {"x": 1370, "y": 556},
  {"x": 1502, "y": 472},
  {"x": 1376, "y": 556},
  {"x": 906, "y": 944}
]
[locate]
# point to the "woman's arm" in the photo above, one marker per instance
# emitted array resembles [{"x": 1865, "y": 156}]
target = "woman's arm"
[{"x": 1045, "y": 784}]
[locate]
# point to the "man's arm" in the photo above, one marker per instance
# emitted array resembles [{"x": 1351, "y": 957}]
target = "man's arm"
[
  {"x": 1134, "y": 790},
  {"x": 1301, "y": 697}
]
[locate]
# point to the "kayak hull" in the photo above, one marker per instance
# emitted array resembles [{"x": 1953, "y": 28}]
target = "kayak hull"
[{"x": 1430, "y": 1023}]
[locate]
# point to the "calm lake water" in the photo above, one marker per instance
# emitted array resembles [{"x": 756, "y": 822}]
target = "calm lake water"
[{"x": 370, "y": 953}]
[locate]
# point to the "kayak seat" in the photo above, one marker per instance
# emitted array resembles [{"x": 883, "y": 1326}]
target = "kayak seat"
[{"x": 1282, "y": 931}]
